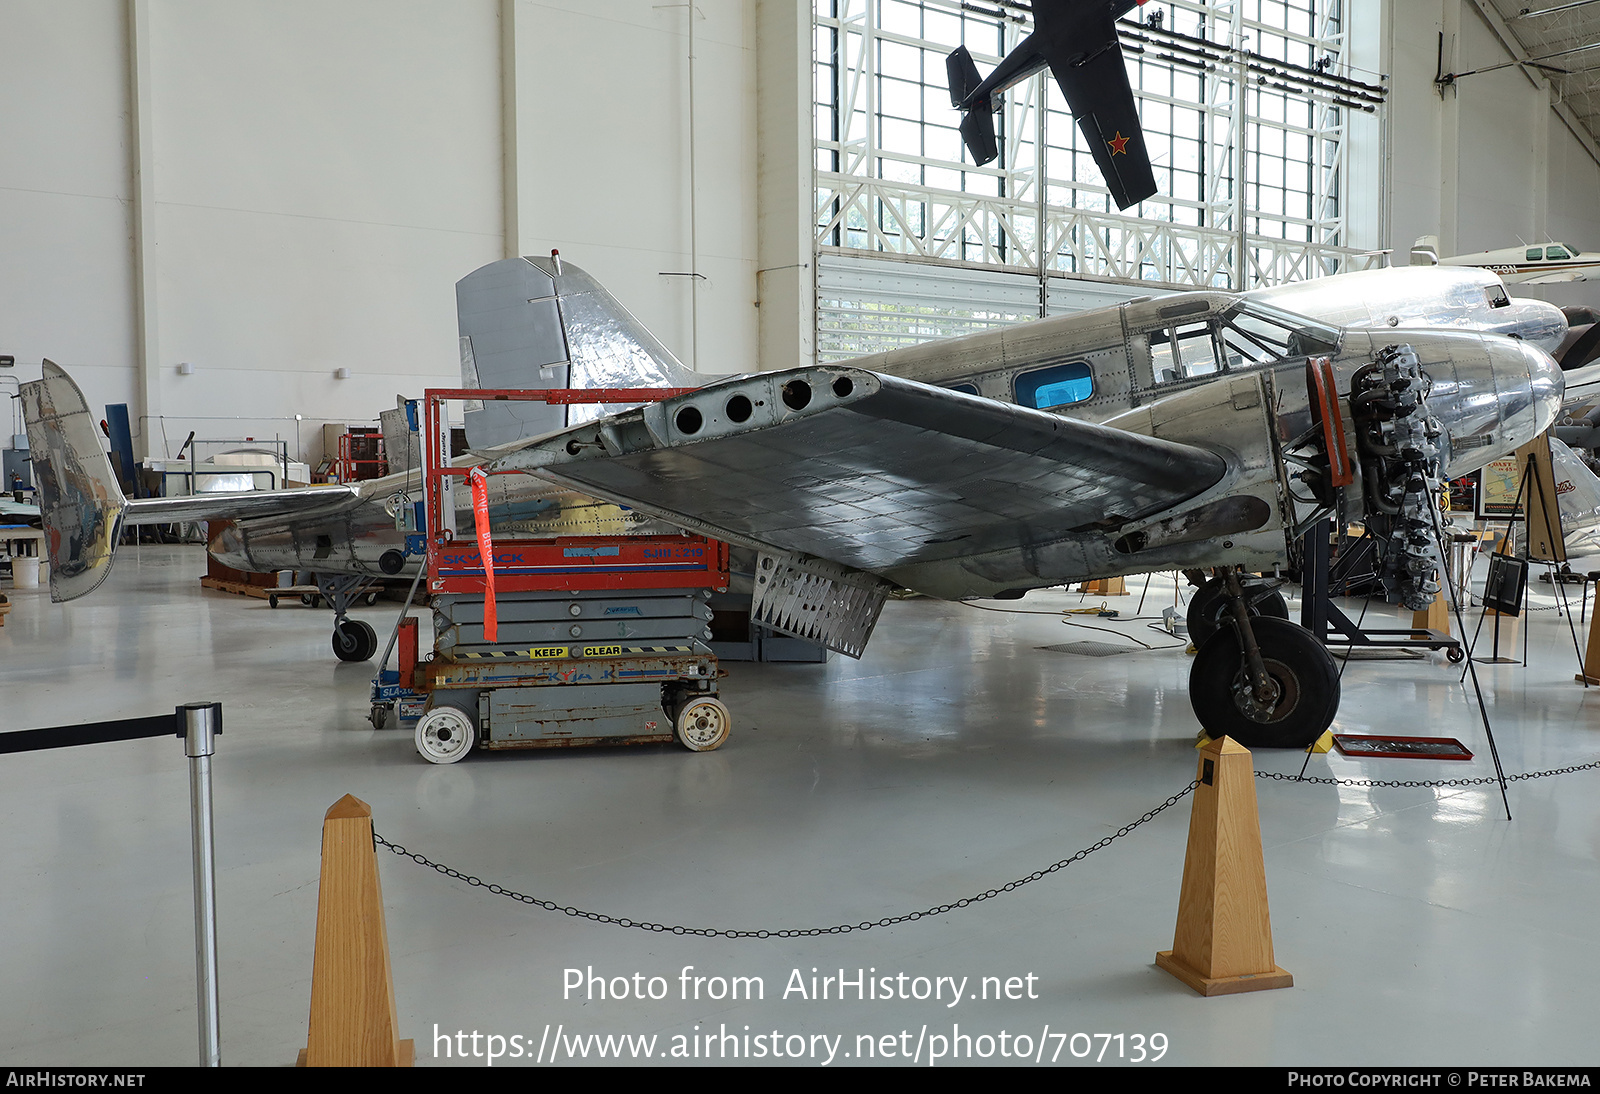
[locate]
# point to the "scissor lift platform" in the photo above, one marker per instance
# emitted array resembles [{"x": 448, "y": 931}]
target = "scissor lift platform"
[{"x": 599, "y": 639}]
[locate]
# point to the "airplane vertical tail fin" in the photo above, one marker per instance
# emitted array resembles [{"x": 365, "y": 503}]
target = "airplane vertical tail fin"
[
  {"x": 977, "y": 119},
  {"x": 1425, "y": 251},
  {"x": 544, "y": 323},
  {"x": 79, "y": 499}
]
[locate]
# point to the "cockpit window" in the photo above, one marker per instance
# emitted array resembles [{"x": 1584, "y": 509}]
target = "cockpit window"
[
  {"x": 1497, "y": 297},
  {"x": 1183, "y": 352},
  {"x": 1058, "y": 385},
  {"x": 1253, "y": 332},
  {"x": 1556, "y": 252}
]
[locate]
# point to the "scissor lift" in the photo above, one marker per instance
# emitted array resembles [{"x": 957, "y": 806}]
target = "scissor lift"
[{"x": 601, "y": 639}]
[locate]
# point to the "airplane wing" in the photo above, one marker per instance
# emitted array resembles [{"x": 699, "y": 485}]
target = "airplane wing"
[
  {"x": 1560, "y": 277},
  {"x": 1101, "y": 99},
  {"x": 868, "y": 471}
]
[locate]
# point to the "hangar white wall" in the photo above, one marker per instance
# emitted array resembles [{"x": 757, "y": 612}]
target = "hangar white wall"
[
  {"x": 317, "y": 174},
  {"x": 1489, "y": 161}
]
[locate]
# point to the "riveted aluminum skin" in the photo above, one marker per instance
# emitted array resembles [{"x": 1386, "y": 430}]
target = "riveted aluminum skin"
[{"x": 874, "y": 472}]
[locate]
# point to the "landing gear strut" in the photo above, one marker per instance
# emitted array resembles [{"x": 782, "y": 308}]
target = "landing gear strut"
[
  {"x": 353, "y": 639},
  {"x": 1261, "y": 680}
]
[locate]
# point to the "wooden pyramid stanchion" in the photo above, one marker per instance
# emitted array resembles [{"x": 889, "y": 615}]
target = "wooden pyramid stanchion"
[
  {"x": 1223, "y": 942},
  {"x": 352, "y": 991},
  {"x": 1591, "y": 653}
]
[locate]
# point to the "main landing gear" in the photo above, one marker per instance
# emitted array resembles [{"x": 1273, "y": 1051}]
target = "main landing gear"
[
  {"x": 353, "y": 639},
  {"x": 1260, "y": 679}
]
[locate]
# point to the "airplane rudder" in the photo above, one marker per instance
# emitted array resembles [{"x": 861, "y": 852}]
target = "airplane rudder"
[{"x": 80, "y": 503}]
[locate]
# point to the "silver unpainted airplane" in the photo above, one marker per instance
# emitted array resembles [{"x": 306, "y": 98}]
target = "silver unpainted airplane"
[
  {"x": 1540, "y": 264},
  {"x": 1200, "y": 430}
]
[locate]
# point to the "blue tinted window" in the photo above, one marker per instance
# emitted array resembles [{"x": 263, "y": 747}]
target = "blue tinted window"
[{"x": 1057, "y": 385}]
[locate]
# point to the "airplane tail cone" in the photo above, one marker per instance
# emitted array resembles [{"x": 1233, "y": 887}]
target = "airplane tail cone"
[{"x": 79, "y": 499}]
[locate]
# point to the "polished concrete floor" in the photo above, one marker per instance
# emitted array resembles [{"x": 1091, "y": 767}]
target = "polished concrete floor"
[{"x": 960, "y": 753}]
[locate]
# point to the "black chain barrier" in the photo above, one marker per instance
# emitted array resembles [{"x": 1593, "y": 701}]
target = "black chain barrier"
[
  {"x": 1487, "y": 780},
  {"x": 941, "y": 909},
  {"x": 843, "y": 928}
]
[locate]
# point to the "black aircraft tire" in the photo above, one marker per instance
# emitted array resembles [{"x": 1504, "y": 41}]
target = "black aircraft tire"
[
  {"x": 1210, "y": 602},
  {"x": 1307, "y": 676},
  {"x": 355, "y": 640}
]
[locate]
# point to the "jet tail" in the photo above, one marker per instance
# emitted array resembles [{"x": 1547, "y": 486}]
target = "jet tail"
[
  {"x": 82, "y": 506},
  {"x": 977, "y": 119}
]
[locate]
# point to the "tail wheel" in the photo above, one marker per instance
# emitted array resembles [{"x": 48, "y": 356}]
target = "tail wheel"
[
  {"x": 702, "y": 724},
  {"x": 354, "y": 640},
  {"x": 1305, "y": 687},
  {"x": 1209, "y": 608},
  {"x": 446, "y": 734}
]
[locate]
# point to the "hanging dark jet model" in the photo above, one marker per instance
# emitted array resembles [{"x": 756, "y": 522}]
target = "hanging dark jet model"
[
  {"x": 1077, "y": 41},
  {"x": 1196, "y": 431}
]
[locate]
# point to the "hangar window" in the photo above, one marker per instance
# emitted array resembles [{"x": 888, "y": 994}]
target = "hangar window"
[
  {"x": 1246, "y": 109},
  {"x": 1058, "y": 385}
]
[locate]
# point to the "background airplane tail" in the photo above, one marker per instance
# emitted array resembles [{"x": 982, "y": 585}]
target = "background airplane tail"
[
  {"x": 1425, "y": 251},
  {"x": 544, "y": 323},
  {"x": 79, "y": 499},
  {"x": 977, "y": 123}
]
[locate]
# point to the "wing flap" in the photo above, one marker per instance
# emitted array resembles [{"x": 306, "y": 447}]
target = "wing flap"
[{"x": 870, "y": 471}]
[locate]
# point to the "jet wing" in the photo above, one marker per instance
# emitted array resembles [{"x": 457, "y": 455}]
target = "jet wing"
[
  {"x": 1101, "y": 99},
  {"x": 869, "y": 471}
]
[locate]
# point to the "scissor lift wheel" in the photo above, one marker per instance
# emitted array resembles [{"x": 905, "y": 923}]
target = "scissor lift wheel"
[
  {"x": 445, "y": 735},
  {"x": 702, "y": 724}
]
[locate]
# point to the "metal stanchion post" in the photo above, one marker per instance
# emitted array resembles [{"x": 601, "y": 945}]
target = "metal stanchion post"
[{"x": 201, "y": 722}]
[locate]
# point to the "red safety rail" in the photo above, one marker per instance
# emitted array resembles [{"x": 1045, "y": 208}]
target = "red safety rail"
[
  {"x": 563, "y": 563},
  {"x": 348, "y": 467}
]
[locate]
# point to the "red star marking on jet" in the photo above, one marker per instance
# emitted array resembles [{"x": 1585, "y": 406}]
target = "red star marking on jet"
[{"x": 1119, "y": 144}]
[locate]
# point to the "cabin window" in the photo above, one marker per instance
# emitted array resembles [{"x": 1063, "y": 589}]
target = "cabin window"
[
  {"x": 1058, "y": 385},
  {"x": 1535, "y": 254},
  {"x": 1556, "y": 252},
  {"x": 969, "y": 389}
]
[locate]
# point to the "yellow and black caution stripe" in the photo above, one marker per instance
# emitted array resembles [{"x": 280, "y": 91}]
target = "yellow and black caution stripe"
[{"x": 550, "y": 653}]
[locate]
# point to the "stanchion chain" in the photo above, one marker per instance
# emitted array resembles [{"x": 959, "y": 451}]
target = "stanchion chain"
[
  {"x": 843, "y": 928},
  {"x": 1487, "y": 780}
]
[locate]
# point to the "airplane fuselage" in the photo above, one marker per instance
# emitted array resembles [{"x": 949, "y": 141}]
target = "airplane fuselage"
[{"x": 1157, "y": 367}]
